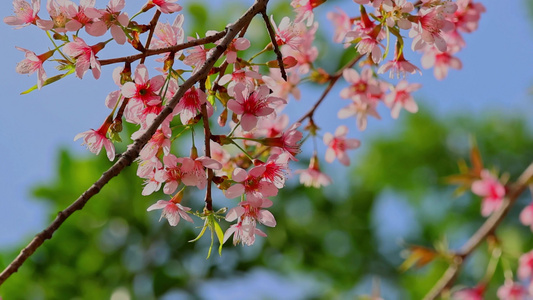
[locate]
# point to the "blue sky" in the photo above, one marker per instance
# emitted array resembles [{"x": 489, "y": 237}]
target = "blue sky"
[{"x": 496, "y": 76}]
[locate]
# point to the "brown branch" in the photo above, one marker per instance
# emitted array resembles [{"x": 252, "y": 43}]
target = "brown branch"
[
  {"x": 272, "y": 36},
  {"x": 202, "y": 41},
  {"x": 127, "y": 158},
  {"x": 332, "y": 80},
  {"x": 488, "y": 227},
  {"x": 153, "y": 24},
  {"x": 207, "y": 140}
]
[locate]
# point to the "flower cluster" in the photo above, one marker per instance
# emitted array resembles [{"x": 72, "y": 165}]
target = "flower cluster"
[{"x": 248, "y": 155}]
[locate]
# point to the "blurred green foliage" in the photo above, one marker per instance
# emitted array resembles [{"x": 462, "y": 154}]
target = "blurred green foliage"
[{"x": 332, "y": 235}]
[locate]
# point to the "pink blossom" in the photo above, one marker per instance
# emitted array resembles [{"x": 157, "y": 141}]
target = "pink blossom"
[
  {"x": 272, "y": 126},
  {"x": 511, "y": 291},
  {"x": 238, "y": 44},
  {"x": 165, "y": 6},
  {"x": 304, "y": 10},
  {"x": 151, "y": 184},
  {"x": 158, "y": 143},
  {"x": 304, "y": 51},
  {"x": 338, "y": 144},
  {"x": 197, "y": 55},
  {"x": 281, "y": 88},
  {"x": 312, "y": 176},
  {"x": 491, "y": 190},
  {"x": 341, "y": 22},
  {"x": 143, "y": 89},
  {"x": 25, "y": 13},
  {"x": 171, "y": 175},
  {"x": 525, "y": 269},
  {"x": 243, "y": 232},
  {"x": 466, "y": 17},
  {"x": 288, "y": 142},
  {"x": 398, "y": 13},
  {"x": 194, "y": 172},
  {"x": 526, "y": 216},
  {"x": 33, "y": 63},
  {"x": 398, "y": 66},
  {"x": 81, "y": 15},
  {"x": 85, "y": 56},
  {"x": 61, "y": 12},
  {"x": 96, "y": 139},
  {"x": 168, "y": 35},
  {"x": 190, "y": 104},
  {"x": 172, "y": 211},
  {"x": 428, "y": 29},
  {"x": 441, "y": 61},
  {"x": 287, "y": 33},
  {"x": 360, "y": 85},
  {"x": 252, "y": 105},
  {"x": 252, "y": 184},
  {"x": 400, "y": 96},
  {"x": 246, "y": 77},
  {"x": 111, "y": 18},
  {"x": 360, "y": 110},
  {"x": 254, "y": 211},
  {"x": 475, "y": 293},
  {"x": 276, "y": 169}
]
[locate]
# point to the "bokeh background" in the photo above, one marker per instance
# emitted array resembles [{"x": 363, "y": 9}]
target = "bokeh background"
[{"x": 333, "y": 243}]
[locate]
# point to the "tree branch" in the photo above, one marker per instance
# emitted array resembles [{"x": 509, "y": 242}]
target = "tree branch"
[
  {"x": 481, "y": 234},
  {"x": 127, "y": 158}
]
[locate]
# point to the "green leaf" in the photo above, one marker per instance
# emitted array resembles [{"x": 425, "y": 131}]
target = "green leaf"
[{"x": 48, "y": 81}]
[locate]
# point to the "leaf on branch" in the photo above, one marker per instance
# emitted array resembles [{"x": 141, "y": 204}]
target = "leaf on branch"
[{"x": 48, "y": 81}]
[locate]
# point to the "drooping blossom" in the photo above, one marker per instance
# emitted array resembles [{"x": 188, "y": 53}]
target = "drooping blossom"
[
  {"x": 511, "y": 291},
  {"x": 491, "y": 190},
  {"x": 34, "y": 63},
  {"x": 197, "y": 55},
  {"x": 194, "y": 170},
  {"x": 167, "y": 35},
  {"x": 61, "y": 12},
  {"x": 251, "y": 105},
  {"x": 312, "y": 176},
  {"x": 398, "y": 66},
  {"x": 287, "y": 33},
  {"x": 173, "y": 211},
  {"x": 85, "y": 56},
  {"x": 400, "y": 97},
  {"x": 526, "y": 216},
  {"x": 253, "y": 209},
  {"x": 428, "y": 30},
  {"x": 158, "y": 143},
  {"x": 338, "y": 144},
  {"x": 466, "y": 17},
  {"x": 525, "y": 266},
  {"x": 96, "y": 139},
  {"x": 397, "y": 13},
  {"x": 440, "y": 61},
  {"x": 243, "y": 76},
  {"x": 243, "y": 232},
  {"x": 288, "y": 142},
  {"x": 304, "y": 10},
  {"x": 305, "y": 52},
  {"x": 475, "y": 293},
  {"x": 276, "y": 169}
]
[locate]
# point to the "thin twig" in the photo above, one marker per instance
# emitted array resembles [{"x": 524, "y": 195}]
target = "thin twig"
[
  {"x": 332, "y": 80},
  {"x": 481, "y": 234},
  {"x": 196, "y": 42},
  {"x": 272, "y": 35},
  {"x": 207, "y": 139},
  {"x": 131, "y": 154},
  {"x": 153, "y": 24}
]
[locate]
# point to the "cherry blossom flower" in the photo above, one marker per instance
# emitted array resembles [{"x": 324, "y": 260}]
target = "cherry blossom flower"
[
  {"x": 312, "y": 176},
  {"x": 243, "y": 76},
  {"x": 172, "y": 211},
  {"x": 304, "y": 10},
  {"x": 288, "y": 142},
  {"x": 526, "y": 216},
  {"x": 165, "y": 6},
  {"x": 397, "y": 13},
  {"x": 33, "y": 63},
  {"x": 171, "y": 175},
  {"x": 276, "y": 168},
  {"x": 491, "y": 190},
  {"x": 400, "y": 96},
  {"x": 26, "y": 14},
  {"x": 96, "y": 139},
  {"x": 511, "y": 291},
  {"x": 338, "y": 144},
  {"x": 194, "y": 172},
  {"x": 110, "y": 18},
  {"x": 168, "y": 35},
  {"x": 80, "y": 16},
  {"x": 85, "y": 56},
  {"x": 466, "y": 17},
  {"x": 475, "y": 293},
  {"x": 252, "y": 105},
  {"x": 197, "y": 55},
  {"x": 525, "y": 268},
  {"x": 143, "y": 89},
  {"x": 159, "y": 142},
  {"x": 304, "y": 51},
  {"x": 252, "y": 184},
  {"x": 441, "y": 61},
  {"x": 341, "y": 22},
  {"x": 190, "y": 104},
  {"x": 360, "y": 110},
  {"x": 428, "y": 29},
  {"x": 61, "y": 12},
  {"x": 272, "y": 126},
  {"x": 360, "y": 85},
  {"x": 287, "y": 33},
  {"x": 243, "y": 232},
  {"x": 151, "y": 184},
  {"x": 399, "y": 66},
  {"x": 254, "y": 211}
]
